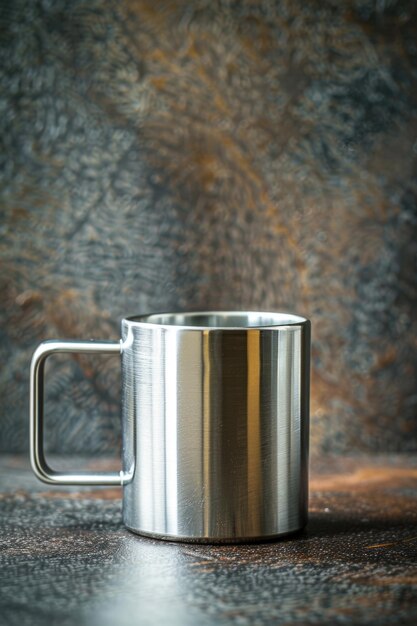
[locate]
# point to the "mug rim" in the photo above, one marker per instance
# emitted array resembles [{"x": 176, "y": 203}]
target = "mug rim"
[{"x": 266, "y": 320}]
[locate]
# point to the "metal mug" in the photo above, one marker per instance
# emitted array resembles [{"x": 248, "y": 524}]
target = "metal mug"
[{"x": 215, "y": 422}]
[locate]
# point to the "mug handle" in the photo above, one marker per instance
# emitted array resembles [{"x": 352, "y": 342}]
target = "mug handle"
[{"x": 37, "y": 456}]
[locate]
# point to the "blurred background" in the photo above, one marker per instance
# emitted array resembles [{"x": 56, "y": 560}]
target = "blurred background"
[{"x": 210, "y": 154}]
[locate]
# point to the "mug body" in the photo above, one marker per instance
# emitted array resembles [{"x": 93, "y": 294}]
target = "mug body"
[{"x": 215, "y": 425}]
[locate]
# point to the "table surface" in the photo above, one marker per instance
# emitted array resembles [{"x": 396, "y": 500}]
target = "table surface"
[{"x": 65, "y": 557}]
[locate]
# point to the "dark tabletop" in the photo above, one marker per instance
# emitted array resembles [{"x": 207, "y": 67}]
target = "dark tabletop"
[{"x": 67, "y": 559}]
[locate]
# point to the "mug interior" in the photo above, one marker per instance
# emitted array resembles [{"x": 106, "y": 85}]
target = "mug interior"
[{"x": 220, "y": 319}]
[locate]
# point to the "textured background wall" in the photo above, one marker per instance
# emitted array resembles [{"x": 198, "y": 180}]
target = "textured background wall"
[{"x": 169, "y": 155}]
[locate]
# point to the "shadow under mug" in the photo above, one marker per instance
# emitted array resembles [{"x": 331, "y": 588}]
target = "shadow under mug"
[{"x": 215, "y": 423}]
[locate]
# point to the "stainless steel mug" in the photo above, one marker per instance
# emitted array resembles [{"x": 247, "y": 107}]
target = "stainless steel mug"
[{"x": 215, "y": 424}]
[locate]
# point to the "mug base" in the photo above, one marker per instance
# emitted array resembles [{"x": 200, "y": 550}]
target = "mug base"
[{"x": 219, "y": 540}]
